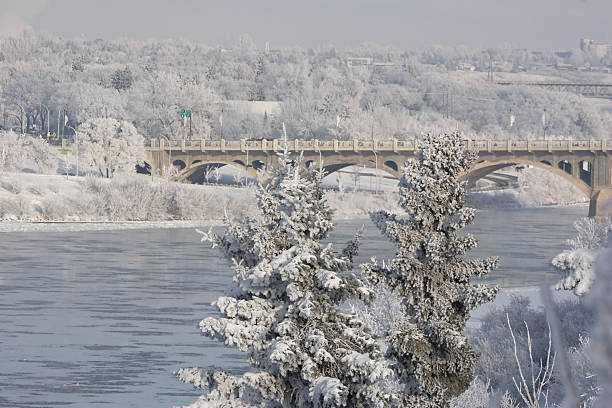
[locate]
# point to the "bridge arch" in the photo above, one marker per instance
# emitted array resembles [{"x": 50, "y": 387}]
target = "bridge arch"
[
  {"x": 484, "y": 168},
  {"x": 335, "y": 163},
  {"x": 198, "y": 167}
]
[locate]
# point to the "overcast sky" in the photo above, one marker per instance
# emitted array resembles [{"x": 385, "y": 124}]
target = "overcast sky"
[{"x": 409, "y": 24}]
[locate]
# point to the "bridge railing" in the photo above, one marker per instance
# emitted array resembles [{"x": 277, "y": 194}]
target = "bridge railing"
[{"x": 375, "y": 145}]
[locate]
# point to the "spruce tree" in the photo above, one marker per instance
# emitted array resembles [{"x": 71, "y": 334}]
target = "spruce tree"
[
  {"x": 429, "y": 353},
  {"x": 285, "y": 310}
]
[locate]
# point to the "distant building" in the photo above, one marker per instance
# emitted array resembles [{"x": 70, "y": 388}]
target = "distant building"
[
  {"x": 359, "y": 62},
  {"x": 466, "y": 66},
  {"x": 600, "y": 50}
]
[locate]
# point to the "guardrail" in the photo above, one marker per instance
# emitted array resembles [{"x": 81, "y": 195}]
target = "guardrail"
[{"x": 355, "y": 145}]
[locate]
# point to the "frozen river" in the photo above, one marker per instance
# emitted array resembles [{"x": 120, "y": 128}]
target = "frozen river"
[{"x": 102, "y": 318}]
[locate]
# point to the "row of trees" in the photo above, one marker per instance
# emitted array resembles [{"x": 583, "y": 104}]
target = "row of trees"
[
  {"x": 104, "y": 145},
  {"x": 320, "y": 95}
]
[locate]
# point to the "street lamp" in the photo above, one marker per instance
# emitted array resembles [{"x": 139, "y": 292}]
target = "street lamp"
[{"x": 76, "y": 143}]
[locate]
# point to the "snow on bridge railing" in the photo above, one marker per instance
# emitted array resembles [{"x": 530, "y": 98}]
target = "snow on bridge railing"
[{"x": 374, "y": 145}]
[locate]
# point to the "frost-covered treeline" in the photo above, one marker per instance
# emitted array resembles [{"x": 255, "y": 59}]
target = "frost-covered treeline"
[
  {"x": 320, "y": 94},
  {"x": 29, "y": 197}
]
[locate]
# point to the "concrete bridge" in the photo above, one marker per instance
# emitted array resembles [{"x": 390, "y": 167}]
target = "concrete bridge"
[{"x": 584, "y": 163}]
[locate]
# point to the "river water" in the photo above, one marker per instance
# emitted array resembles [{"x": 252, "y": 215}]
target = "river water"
[{"x": 102, "y": 318}]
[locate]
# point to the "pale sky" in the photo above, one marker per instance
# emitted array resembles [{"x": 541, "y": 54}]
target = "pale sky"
[{"x": 408, "y": 24}]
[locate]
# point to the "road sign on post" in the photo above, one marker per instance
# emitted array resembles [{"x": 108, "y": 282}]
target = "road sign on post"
[{"x": 186, "y": 113}]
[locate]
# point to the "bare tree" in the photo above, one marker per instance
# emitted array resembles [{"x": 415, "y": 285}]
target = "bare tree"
[{"x": 533, "y": 391}]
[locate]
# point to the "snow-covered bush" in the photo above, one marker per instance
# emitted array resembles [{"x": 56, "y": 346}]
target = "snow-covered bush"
[
  {"x": 285, "y": 311},
  {"x": 576, "y": 263},
  {"x": 429, "y": 353},
  {"x": 109, "y": 145}
]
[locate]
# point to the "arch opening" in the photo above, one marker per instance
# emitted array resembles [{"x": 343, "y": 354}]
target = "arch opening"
[
  {"x": 180, "y": 164},
  {"x": 586, "y": 171},
  {"x": 145, "y": 168},
  {"x": 258, "y": 164},
  {"x": 582, "y": 192},
  {"x": 393, "y": 165},
  {"x": 546, "y": 162},
  {"x": 233, "y": 172},
  {"x": 565, "y": 166}
]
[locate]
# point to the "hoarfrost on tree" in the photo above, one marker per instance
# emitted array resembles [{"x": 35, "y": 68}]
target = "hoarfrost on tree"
[
  {"x": 110, "y": 145},
  {"x": 430, "y": 355},
  {"x": 284, "y": 309},
  {"x": 576, "y": 263}
]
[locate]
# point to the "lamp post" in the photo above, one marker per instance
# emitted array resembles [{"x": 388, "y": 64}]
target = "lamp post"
[{"x": 76, "y": 143}]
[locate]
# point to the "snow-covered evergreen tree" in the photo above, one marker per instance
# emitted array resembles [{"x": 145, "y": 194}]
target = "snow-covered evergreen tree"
[
  {"x": 430, "y": 355},
  {"x": 285, "y": 308}
]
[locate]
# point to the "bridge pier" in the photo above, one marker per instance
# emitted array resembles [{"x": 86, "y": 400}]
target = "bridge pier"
[{"x": 601, "y": 203}]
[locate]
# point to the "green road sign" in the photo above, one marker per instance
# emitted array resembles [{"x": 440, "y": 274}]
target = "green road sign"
[{"x": 185, "y": 113}]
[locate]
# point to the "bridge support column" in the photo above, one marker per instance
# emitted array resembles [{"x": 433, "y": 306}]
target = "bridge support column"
[
  {"x": 601, "y": 203},
  {"x": 159, "y": 161}
]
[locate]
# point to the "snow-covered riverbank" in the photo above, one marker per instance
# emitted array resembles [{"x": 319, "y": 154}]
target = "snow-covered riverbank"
[{"x": 27, "y": 201}]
